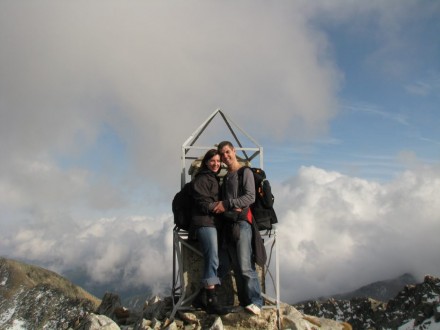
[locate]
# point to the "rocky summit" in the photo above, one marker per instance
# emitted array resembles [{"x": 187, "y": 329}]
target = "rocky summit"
[
  {"x": 35, "y": 298},
  {"x": 414, "y": 307}
]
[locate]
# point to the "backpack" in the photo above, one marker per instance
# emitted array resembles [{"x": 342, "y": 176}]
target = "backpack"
[
  {"x": 262, "y": 209},
  {"x": 181, "y": 206}
]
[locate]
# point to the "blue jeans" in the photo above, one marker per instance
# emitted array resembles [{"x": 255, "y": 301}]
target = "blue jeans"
[
  {"x": 207, "y": 237},
  {"x": 246, "y": 276}
]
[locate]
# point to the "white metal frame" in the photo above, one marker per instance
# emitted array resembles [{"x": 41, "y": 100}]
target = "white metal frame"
[{"x": 180, "y": 236}]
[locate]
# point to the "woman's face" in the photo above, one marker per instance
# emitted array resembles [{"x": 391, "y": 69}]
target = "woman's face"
[{"x": 214, "y": 163}]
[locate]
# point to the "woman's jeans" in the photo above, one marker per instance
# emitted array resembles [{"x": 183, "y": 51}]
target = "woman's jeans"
[
  {"x": 207, "y": 237},
  {"x": 246, "y": 276}
]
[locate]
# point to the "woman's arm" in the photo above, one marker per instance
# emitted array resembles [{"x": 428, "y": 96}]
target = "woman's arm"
[{"x": 204, "y": 198}]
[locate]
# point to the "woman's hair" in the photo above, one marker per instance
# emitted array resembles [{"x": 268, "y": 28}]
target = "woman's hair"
[{"x": 209, "y": 154}]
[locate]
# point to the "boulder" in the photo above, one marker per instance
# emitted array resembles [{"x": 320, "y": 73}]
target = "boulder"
[{"x": 97, "y": 322}]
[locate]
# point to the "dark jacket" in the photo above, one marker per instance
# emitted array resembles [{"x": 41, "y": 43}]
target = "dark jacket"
[{"x": 205, "y": 191}]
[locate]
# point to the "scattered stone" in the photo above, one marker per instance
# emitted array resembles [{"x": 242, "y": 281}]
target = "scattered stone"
[{"x": 97, "y": 322}]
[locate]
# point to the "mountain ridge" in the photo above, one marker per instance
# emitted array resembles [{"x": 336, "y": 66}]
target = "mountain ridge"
[
  {"x": 37, "y": 298},
  {"x": 382, "y": 290}
]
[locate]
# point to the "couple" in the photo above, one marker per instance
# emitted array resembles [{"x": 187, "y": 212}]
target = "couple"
[{"x": 211, "y": 201}]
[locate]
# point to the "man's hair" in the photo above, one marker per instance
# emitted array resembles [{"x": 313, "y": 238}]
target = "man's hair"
[{"x": 223, "y": 144}]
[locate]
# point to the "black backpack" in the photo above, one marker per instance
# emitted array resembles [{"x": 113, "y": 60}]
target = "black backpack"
[
  {"x": 181, "y": 206},
  {"x": 262, "y": 210}
]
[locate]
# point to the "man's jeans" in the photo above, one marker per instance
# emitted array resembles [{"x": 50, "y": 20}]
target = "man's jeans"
[
  {"x": 246, "y": 276},
  {"x": 207, "y": 237}
]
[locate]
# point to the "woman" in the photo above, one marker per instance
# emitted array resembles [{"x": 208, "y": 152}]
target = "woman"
[{"x": 205, "y": 191}]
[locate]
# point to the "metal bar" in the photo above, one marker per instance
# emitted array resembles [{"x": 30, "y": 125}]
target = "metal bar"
[
  {"x": 234, "y": 135},
  {"x": 178, "y": 243},
  {"x": 210, "y": 147},
  {"x": 240, "y": 129},
  {"x": 196, "y": 134},
  {"x": 183, "y": 172},
  {"x": 277, "y": 279},
  {"x": 178, "y": 251}
]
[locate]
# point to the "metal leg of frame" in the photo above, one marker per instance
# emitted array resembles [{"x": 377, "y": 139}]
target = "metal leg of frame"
[
  {"x": 179, "y": 287},
  {"x": 271, "y": 241}
]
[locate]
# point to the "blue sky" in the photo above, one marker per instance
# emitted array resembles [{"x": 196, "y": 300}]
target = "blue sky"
[
  {"x": 388, "y": 97},
  {"x": 96, "y": 99}
]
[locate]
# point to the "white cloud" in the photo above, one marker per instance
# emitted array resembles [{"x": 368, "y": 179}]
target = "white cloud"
[
  {"x": 151, "y": 73},
  {"x": 375, "y": 110},
  {"x": 335, "y": 234},
  {"x": 338, "y": 232},
  {"x": 427, "y": 86}
]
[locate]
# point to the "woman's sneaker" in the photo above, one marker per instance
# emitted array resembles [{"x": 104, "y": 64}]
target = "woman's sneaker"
[
  {"x": 200, "y": 299},
  {"x": 254, "y": 309}
]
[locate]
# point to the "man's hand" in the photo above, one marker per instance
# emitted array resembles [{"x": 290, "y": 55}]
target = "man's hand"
[{"x": 219, "y": 208}]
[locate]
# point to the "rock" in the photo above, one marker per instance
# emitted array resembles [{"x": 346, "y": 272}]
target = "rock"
[
  {"x": 110, "y": 302},
  {"x": 97, "y": 322},
  {"x": 292, "y": 319},
  {"x": 157, "y": 308},
  {"x": 217, "y": 325}
]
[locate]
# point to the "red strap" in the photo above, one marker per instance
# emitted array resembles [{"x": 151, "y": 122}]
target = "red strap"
[{"x": 249, "y": 215}]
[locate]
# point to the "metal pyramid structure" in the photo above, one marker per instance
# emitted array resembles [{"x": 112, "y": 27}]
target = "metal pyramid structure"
[
  {"x": 250, "y": 152},
  {"x": 190, "y": 153}
]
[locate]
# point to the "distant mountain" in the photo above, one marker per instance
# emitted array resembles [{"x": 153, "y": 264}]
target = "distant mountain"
[
  {"x": 380, "y": 290},
  {"x": 132, "y": 297}
]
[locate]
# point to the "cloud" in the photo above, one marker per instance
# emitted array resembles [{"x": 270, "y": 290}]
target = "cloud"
[
  {"x": 430, "y": 85},
  {"x": 68, "y": 68},
  {"x": 375, "y": 110},
  {"x": 336, "y": 233},
  {"x": 96, "y": 99},
  {"x": 148, "y": 73},
  {"x": 122, "y": 250},
  {"x": 151, "y": 73}
]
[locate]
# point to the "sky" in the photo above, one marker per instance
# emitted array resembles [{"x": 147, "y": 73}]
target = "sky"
[{"x": 97, "y": 98}]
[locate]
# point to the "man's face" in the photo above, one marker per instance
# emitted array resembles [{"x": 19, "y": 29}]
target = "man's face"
[{"x": 227, "y": 155}]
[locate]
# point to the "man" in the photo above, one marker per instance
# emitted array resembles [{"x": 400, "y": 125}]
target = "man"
[{"x": 236, "y": 196}]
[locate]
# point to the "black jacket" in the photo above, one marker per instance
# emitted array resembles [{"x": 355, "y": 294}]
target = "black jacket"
[{"x": 205, "y": 191}]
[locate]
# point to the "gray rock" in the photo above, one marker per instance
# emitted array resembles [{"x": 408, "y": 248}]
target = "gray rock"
[{"x": 97, "y": 322}]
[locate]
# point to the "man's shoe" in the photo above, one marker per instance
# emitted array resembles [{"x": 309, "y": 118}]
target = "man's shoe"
[{"x": 254, "y": 309}]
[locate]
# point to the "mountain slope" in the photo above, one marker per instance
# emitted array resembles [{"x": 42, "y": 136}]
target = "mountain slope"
[{"x": 33, "y": 297}]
